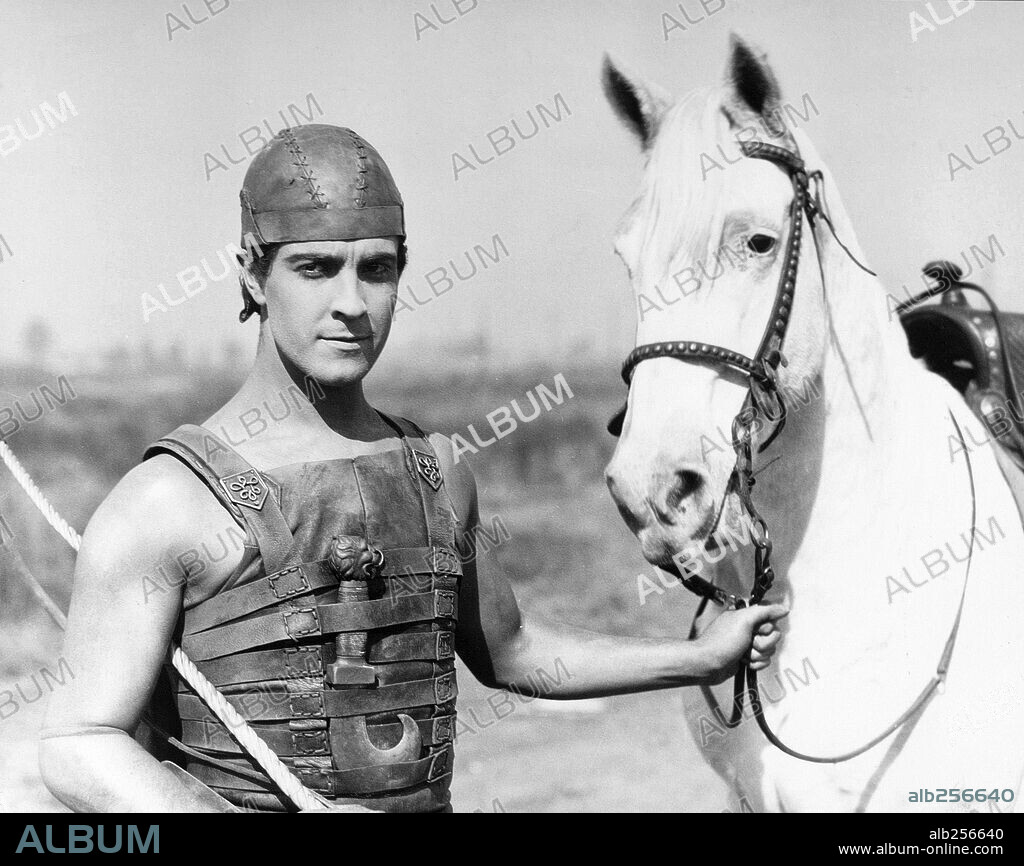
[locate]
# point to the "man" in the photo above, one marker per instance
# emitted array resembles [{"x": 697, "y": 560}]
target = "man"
[{"x": 332, "y": 629}]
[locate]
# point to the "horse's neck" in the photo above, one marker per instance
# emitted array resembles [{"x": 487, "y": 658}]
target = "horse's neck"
[{"x": 862, "y": 463}]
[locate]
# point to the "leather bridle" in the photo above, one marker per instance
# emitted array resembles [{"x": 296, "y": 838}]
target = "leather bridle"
[{"x": 765, "y": 399}]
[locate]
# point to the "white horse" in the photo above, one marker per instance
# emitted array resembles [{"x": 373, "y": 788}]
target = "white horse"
[{"x": 866, "y": 492}]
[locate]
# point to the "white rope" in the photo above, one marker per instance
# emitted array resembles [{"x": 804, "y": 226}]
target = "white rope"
[
  {"x": 293, "y": 789},
  {"x": 282, "y": 776},
  {"x": 35, "y": 494}
]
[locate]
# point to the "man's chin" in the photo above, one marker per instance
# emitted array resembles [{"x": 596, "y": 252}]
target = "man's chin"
[{"x": 336, "y": 373}]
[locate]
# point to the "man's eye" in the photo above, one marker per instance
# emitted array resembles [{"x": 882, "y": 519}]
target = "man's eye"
[
  {"x": 380, "y": 271},
  {"x": 312, "y": 269}
]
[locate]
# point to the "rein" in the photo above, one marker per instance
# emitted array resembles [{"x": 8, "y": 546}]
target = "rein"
[
  {"x": 752, "y": 690},
  {"x": 765, "y": 399}
]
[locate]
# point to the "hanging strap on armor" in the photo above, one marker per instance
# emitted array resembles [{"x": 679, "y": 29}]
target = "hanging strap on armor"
[{"x": 251, "y": 497}]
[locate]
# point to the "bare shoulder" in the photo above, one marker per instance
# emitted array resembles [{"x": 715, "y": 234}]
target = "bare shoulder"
[{"x": 159, "y": 507}]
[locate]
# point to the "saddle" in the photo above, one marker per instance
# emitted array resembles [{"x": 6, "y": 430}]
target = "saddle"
[{"x": 979, "y": 352}]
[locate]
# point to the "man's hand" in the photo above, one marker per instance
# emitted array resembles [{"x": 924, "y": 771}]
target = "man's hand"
[{"x": 736, "y": 633}]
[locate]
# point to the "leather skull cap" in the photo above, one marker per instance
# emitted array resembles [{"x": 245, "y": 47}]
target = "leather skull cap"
[{"x": 319, "y": 183}]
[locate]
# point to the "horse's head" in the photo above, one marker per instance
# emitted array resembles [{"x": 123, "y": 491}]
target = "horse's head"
[{"x": 704, "y": 243}]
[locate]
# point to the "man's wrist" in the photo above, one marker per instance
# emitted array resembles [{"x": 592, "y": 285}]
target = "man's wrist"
[{"x": 685, "y": 661}]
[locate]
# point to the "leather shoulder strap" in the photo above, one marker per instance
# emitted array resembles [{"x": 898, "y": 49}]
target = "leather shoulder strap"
[
  {"x": 425, "y": 468},
  {"x": 251, "y": 497}
]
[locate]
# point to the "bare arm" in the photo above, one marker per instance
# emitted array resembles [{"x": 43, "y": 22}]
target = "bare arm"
[
  {"x": 506, "y": 647},
  {"x": 119, "y": 629}
]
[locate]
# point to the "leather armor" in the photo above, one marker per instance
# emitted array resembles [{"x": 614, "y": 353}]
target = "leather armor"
[{"x": 347, "y": 674}]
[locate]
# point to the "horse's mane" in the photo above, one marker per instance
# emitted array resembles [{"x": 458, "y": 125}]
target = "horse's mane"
[{"x": 681, "y": 195}]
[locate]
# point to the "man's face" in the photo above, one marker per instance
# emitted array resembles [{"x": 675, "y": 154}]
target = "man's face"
[{"x": 330, "y": 303}]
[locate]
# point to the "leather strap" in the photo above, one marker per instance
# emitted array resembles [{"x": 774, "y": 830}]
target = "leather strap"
[
  {"x": 313, "y": 621},
  {"x": 418, "y": 646},
  {"x": 394, "y": 610},
  {"x": 283, "y": 663},
  {"x": 287, "y": 663},
  {"x": 299, "y": 580},
  {"x": 290, "y": 741},
  {"x": 390, "y": 777},
  {"x": 919, "y": 704},
  {"x": 274, "y": 702},
  {"x": 419, "y": 693},
  {"x": 368, "y": 780},
  {"x": 403, "y": 561},
  {"x": 432, "y": 797},
  {"x": 221, "y": 468},
  {"x": 309, "y": 578},
  {"x": 437, "y": 506}
]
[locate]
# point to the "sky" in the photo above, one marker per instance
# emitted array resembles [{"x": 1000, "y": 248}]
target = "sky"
[{"x": 136, "y": 174}]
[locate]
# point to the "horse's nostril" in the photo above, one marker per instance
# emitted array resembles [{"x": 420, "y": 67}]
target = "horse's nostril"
[{"x": 686, "y": 484}]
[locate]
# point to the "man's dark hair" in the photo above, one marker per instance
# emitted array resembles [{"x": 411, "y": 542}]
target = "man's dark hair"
[{"x": 262, "y": 260}]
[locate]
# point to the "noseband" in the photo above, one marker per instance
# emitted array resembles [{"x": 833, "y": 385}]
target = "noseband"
[{"x": 765, "y": 398}]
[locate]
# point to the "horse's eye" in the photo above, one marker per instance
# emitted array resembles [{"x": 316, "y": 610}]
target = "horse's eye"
[{"x": 761, "y": 244}]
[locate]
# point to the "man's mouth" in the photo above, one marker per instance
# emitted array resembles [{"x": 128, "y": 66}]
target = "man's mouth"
[{"x": 348, "y": 341}]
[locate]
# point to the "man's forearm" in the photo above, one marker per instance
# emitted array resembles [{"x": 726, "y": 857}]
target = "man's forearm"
[
  {"x": 558, "y": 661},
  {"x": 111, "y": 773}
]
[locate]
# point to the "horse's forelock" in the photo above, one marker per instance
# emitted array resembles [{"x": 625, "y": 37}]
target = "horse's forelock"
[{"x": 681, "y": 203}]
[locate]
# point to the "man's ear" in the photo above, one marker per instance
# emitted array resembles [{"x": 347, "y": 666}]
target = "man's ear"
[
  {"x": 253, "y": 296},
  {"x": 247, "y": 280}
]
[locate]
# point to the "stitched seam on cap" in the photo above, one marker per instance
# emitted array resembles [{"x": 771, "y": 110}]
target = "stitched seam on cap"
[
  {"x": 316, "y": 194},
  {"x": 362, "y": 168}
]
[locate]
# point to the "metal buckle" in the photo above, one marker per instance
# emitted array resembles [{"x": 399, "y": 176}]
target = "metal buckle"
[
  {"x": 301, "y": 623},
  {"x": 285, "y": 584},
  {"x": 446, "y": 562},
  {"x": 444, "y": 688},
  {"x": 444, "y": 646},
  {"x": 439, "y": 765},
  {"x": 443, "y": 730},
  {"x": 445, "y": 606},
  {"x": 303, "y": 661},
  {"x": 306, "y": 705},
  {"x": 310, "y": 742}
]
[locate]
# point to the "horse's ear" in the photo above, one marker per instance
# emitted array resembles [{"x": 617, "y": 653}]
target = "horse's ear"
[
  {"x": 639, "y": 104},
  {"x": 751, "y": 86}
]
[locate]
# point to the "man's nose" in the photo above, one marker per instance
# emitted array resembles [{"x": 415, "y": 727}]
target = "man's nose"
[{"x": 347, "y": 298}]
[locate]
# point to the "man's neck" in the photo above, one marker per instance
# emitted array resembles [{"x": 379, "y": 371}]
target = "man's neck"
[{"x": 278, "y": 402}]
